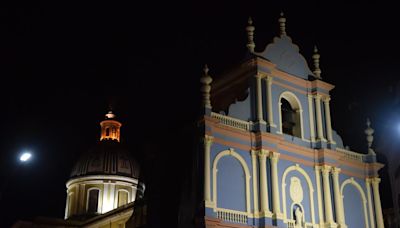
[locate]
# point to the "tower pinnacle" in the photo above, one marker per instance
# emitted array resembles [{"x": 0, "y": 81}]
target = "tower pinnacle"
[
  {"x": 370, "y": 138},
  {"x": 250, "y": 35},
  {"x": 317, "y": 70},
  {"x": 282, "y": 25},
  {"x": 206, "y": 88}
]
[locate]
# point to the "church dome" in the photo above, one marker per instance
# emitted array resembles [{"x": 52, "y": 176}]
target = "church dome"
[
  {"x": 107, "y": 157},
  {"x": 104, "y": 178}
]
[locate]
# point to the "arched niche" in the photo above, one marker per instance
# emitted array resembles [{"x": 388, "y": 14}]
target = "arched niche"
[
  {"x": 297, "y": 168},
  {"x": 354, "y": 200},
  {"x": 231, "y": 152}
]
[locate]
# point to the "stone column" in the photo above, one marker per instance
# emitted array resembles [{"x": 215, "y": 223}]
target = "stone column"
[
  {"x": 328, "y": 119},
  {"x": 269, "y": 102},
  {"x": 207, "y": 147},
  {"x": 262, "y": 156},
  {"x": 259, "y": 99},
  {"x": 327, "y": 194},
  {"x": 371, "y": 213},
  {"x": 311, "y": 115},
  {"x": 319, "y": 117},
  {"x": 274, "y": 156},
  {"x": 338, "y": 197},
  {"x": 320, "y": 212},
  {"x": 255, "y": 186},
  {"x": 377, "y": 201}
]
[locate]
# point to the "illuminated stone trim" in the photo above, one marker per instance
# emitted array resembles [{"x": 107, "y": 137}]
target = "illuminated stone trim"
[{"x": 101, "y": 178}]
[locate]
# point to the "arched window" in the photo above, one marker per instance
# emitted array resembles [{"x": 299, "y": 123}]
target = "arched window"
[
  {"x": 290, "y": 117},
  {"x": 113, "y": 132},
  {"x": 107, "y": 131},
  {"x": 93, "y": 200},
  {"x": 122, "y": 197}
]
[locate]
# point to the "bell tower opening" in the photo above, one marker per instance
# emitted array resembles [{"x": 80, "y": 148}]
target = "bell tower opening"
[
  {"x": 290, "y": 111},
  {"x": 288, "y": 116}
]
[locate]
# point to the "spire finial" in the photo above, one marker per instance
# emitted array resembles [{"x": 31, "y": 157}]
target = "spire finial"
[
  {"x": 250, "y": 35},
  {"x": 282, "y": 24},
  {"x": 317, "y": 70},
  {"x": 206, "y": 88},
  {"x": 370, "y": 138},
  {"x": 110, "y": 114}
]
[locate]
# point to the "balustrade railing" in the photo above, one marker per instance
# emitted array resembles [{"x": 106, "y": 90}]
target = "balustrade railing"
[
  {"x": 350, "y": 155},
  {"x": 232, "y": 216},
  {"x": 232, "y": 122}
]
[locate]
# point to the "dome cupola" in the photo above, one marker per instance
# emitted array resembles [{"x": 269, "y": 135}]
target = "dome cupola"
[{"x": 110, "y": 128}]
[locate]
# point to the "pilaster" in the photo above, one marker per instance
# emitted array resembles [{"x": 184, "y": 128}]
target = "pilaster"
[
  {"x": 270, "y": 115},
  {"x": 319, "y": 195},
  {"x": 320, "y": 133},
  {"x": 207, "y": 186},
  {"x": 377, "y": 199},
  {"x": 255, "y": 185},
  {"x": 371, "y": 213},
  {"x": 274, "y": 157},
  {"x": 259, "y": 98},
  {"x": 327, "y": 194},
  {"x": 338, "y": 198},
  {"x": 262, "y": 156},
  {"x": 328, "y": 120},
  {"x": 311, "y": 116}
]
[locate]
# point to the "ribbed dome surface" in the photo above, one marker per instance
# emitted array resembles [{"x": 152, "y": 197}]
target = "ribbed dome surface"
[{"x": 108, "y": 157}]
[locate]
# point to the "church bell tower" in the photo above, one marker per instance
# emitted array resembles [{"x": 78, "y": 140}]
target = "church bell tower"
[{"x": 269, "y": 154}]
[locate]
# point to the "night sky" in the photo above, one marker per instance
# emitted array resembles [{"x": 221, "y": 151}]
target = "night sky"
[{"x": 63, "y": 64}]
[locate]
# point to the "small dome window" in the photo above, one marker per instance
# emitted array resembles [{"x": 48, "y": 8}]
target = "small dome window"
[
  {"x": 122, "y": 197},
  {"x": 93, "y": 201}
]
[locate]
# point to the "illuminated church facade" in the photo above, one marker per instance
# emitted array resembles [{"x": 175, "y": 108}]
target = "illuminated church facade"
[{"x": 270, "y": 157}]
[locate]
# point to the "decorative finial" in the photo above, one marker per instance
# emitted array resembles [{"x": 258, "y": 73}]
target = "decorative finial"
[
  {"x": 370, "y": 138},
  {"x": 206, "y": 88},
  {"x": 110, "y": 115},
  {"x": 282, "y": 25},
  {"x": 317, "y": 70},
  {"x": 250, "y": 35}
]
